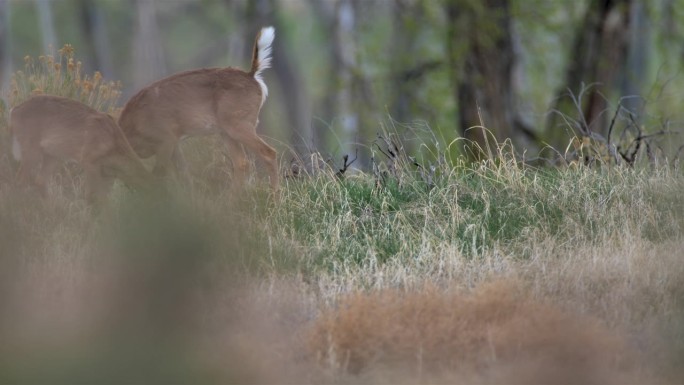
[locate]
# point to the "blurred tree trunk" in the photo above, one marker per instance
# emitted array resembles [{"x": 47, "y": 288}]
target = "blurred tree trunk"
[
  {"x": 94, "y": 31},
  {"x": 348, "y": 98},
  {"x": 410, "y": 67},
  {"x": 349, "y": 116},
  {"x": 637, "y": 57},
  {"x": 292, "y": 90},
  {"x": 47, "y": 26},
  {"x": 596, "y": 60},
  {"x": 406, "y": 66},
  {"x": 338, "y": 20},
  {"x": 481, "y": 55},
  {"x": 293, "y": 95},
  {"x": 148, "y": 50},
  {"x": 227, "y": 36},
  {"x": 327, "y": 106},
  {"x": 5, "y": 47},
  {"x": 358, "y": 93},
  {"x": 669, "y": 24},
  {"x": 407, "y": 17},
  {"x": 239, "y": 44}
]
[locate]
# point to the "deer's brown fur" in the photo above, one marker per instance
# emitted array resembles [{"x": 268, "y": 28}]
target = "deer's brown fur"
[
  {"x": 49, "y": 130},
  {"x": 203, "y": 101}
]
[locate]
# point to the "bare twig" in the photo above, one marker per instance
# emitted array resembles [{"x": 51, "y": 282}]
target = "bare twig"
[{"x": 345, "y": 166}]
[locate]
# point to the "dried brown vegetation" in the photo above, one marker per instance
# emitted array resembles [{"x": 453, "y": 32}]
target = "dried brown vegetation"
[{"x": 496, "y": 332}]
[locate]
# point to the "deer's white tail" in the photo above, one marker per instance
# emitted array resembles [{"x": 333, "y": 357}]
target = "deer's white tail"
[{"x": 261, "y": 58}]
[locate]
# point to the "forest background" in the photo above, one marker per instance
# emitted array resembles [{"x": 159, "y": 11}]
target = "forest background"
[{"x": 537, "y": 72}]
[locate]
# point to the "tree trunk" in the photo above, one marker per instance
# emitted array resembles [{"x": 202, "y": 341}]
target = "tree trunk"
[
  {"x": 597, "y": 56},
  {"x": 94, "y": 31},
  {"x": 5, "y": 47},
  {"x": 482, "y": 65},
  {"x": 407, "y": 67},
  {"x": 346, "y": 42},
  {"x": 338, "y": 19},
  {"x": 239, "y": 44},
  {"x": 148, "y": 54},
  {"x": 327, "y": 107},
  {"x": 47, "y": 27},
  {"x": 358, "y": 93},
  {"x": 631, "y": 83},
  {"x": 294, "y": 97}
]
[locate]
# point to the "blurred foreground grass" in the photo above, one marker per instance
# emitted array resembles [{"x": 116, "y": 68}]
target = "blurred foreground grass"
[{"x": 190, "y": 287}]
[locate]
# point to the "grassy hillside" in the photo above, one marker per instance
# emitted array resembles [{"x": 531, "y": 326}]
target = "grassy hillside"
[
  {"x": 469, "y": 273},
  {"x": 429, "y": 270}
]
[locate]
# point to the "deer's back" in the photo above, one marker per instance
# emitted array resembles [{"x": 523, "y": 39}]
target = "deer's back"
[{"x": 187, "y": 103}]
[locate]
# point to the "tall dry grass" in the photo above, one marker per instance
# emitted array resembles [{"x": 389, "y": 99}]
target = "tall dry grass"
[{"x": 493, "y": 333}]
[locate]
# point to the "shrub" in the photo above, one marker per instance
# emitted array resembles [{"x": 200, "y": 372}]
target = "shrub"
[
  {"x": 492, "y": 333},
  {"x": 62, "y": 76}
]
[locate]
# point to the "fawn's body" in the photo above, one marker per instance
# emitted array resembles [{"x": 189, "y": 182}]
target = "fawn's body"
[{"x": 49, "y": 130}]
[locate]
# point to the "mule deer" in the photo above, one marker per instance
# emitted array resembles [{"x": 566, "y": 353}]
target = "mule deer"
[
  {"x": 48, "y": 130},
  {"x": 203, "y": 101}
]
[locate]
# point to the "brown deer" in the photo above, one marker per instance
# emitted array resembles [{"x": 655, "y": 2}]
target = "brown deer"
[
  {"x": 48, "y": 130},
  {"x": 203, "y": 101}
]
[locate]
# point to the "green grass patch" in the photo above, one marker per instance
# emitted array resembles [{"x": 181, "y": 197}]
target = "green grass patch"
[{"x": 363, "y": 221}]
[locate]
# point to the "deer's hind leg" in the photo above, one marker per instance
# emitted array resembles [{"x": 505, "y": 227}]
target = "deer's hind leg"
[
  {"x": 238, "y": 159},
  {"x": 244, "y": 132}
]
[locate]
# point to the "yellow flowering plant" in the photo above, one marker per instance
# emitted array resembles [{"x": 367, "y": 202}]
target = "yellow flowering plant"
[{"x": 62, "y": 75}]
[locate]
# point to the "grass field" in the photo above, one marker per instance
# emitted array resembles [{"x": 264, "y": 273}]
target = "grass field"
[
  {"x": 418, "y": 271},
  {"x": 493, "y": 272}
]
